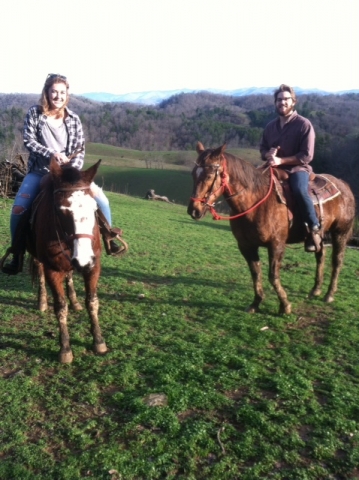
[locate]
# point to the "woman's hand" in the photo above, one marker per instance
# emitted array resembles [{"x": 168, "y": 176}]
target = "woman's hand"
[{"x": 60, "y": 158}]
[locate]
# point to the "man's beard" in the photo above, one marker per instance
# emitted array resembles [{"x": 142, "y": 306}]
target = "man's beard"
[{"x": 286, "y": 112}]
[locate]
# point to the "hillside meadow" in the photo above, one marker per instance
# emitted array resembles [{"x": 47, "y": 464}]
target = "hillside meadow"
[
  {"x": 134, "y": 172},
  {"x": 246, "y": 396}
]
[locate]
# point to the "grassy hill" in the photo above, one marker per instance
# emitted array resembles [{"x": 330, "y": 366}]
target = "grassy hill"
[
  {"x": 248, "y": 396},
  {"x": 125, "y": 157},
  {"x": 134, "y": 172}
]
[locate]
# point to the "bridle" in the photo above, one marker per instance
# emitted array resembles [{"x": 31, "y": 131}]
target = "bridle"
[{"x": 225, "y": 188}]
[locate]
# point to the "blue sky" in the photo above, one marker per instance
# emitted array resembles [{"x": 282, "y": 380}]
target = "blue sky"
[{"x": 123, "y": 46}]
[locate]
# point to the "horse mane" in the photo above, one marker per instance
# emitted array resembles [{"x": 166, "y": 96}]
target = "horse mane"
[
  {"x": 51, "y": 181},
  {"x": 243, "y": 171},
  {"x": 70, "y": 175}
]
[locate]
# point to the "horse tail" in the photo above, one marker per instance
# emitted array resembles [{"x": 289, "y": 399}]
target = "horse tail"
[{"x": 33, "y": 271}]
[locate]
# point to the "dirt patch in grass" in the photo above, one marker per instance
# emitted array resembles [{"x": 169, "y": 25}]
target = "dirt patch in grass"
[{"x": 312, "y": 319}]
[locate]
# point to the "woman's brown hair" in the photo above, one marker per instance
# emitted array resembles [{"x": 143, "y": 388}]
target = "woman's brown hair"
[{"x": 51, "y": 79}]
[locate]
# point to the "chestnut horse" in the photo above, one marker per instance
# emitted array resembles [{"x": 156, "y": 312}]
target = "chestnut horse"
[
  {"x": 65, "y": 236},
  {"x": 258, "y": 219}
]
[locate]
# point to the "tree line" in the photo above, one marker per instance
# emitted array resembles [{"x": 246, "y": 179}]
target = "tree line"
[{"x": 180, "y": 121}]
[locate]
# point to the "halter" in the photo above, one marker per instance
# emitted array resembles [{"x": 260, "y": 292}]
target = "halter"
[
  {"x": 70, "y": 189},
  {"x": 225, "y": 188}
]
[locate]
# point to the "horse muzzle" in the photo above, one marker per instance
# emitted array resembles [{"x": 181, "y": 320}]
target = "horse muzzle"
[
  {"x": 82, "y": 267},
  {"x": 196, "y": 210}
]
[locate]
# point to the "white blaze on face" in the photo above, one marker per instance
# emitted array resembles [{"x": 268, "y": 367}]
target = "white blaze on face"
[
  {"x": 82, "y": 208},
  {"x": 199, "y": 171}
]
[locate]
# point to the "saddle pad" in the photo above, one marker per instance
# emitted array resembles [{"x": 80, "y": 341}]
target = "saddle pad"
[{"x": 321, "y": 190}]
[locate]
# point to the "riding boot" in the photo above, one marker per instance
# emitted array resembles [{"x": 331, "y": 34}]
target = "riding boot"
[
  {"x": 109, "y": 235},
  {"x": 313, "y": 242},
  {"x": 17, "y": 249},
  {"x": 15, "y": 265},
  {"x": 12, "y": 267}
]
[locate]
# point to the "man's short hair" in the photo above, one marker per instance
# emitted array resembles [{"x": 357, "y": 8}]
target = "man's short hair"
[{"x": 285, "y": 88}]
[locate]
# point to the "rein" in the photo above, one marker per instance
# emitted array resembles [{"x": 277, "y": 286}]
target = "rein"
[
  {"x": 70, "y": 189},
  {"x": 225, "y": 187}
]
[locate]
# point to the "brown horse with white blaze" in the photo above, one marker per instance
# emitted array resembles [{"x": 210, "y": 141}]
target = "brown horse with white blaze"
[
  {"x": 65, "y": 236},
  {"x": 259, "y": 219}
]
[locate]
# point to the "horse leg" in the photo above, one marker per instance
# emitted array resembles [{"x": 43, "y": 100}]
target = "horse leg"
[
  {"x": 338, "y": 251},
  {"x": 42, "y": 304},
  {"x": 319, "y": 274},
  {"x": 275, "y": 255},
  {"x": 252, "y": 258},
  {"x": 71, "y": 293},
  {"x": 92, "y": 305},
  {"x": 55, "y": 281}
]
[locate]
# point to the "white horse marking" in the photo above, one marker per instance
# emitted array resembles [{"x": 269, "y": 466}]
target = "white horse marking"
[
  {"x": 199, "y": 171},
  {"x": 82, "y": 207}
]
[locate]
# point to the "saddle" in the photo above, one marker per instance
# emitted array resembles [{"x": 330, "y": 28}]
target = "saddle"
[{"x": 320, "y": 189}]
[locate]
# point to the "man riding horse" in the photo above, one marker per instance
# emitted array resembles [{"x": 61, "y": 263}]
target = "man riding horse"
[{"x": 288, "y": 145}]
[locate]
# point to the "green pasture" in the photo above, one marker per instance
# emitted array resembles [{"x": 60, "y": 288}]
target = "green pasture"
[
  {"x": 118, "y": 156},
  {"x": 246, "y": 396},
  {"x": 134, "y": 172},
  {"x": 174, "y": 184},
  {"x": 124, "y": 157}
]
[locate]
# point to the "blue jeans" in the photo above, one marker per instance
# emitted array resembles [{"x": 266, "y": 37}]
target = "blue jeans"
[
  {"x": 298, "y": 182},
  {"x": 28, "y": 191}
]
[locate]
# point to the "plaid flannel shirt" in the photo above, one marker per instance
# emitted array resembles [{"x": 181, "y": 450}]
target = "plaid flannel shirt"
[{"x": 33, "y": 124}]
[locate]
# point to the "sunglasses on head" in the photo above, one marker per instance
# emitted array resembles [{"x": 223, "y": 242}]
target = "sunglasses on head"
[{"x": 56, "y": 75}]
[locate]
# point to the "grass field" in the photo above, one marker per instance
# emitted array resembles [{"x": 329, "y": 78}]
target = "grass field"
[
  {"x": 248, "y": 396},
  {"x": 117, "y": 156},
  {"x": 134, "y": 172}
]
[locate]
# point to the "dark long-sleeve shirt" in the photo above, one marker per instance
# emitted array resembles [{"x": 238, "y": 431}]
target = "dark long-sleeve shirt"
[{"x": 296, "y": 138}]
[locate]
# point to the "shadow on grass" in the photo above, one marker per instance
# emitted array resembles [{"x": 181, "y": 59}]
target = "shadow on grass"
[
  {"x": 27, "y": 343},
  {"x": 216, "y": 224}
]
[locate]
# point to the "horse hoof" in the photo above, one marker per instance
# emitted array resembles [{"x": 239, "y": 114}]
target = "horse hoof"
[
  {"x": 252, "y": 309},
  {"x": 76, "y": 307},
  {"x": 315, "y": 293},
  {"x": 328, "y": 298},
  {"x": 285, "y": 309},
  {"x": 66, "y": 357},
  {"x": 42, "y": 307},
  {"x": 100, "y": 348}
]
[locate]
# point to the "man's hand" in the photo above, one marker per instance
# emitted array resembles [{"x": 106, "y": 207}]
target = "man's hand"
[
  {"x": 60, "y": 158},
  {"x": 272, "y": 159}
]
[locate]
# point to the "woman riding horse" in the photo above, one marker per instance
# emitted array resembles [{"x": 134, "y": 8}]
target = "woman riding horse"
[{"x": 52, "y": 130}]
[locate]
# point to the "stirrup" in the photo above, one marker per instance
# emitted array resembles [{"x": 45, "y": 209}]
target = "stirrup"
[
  {"x": 314, "y": 241},
  {"x": 111, "y": 247}
]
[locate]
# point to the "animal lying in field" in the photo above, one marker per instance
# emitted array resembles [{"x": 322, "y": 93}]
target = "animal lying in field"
[{"x": 151, "y": 195}]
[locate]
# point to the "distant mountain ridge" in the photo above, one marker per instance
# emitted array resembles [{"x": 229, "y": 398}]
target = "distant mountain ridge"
[{"x": 157, "y": 96}]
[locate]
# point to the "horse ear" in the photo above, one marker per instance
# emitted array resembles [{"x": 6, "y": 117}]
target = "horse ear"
[
  {"x": 90, "y": 173},
  {"x": 219, "y": 151},
  {"x": 199, "y": 148}
]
